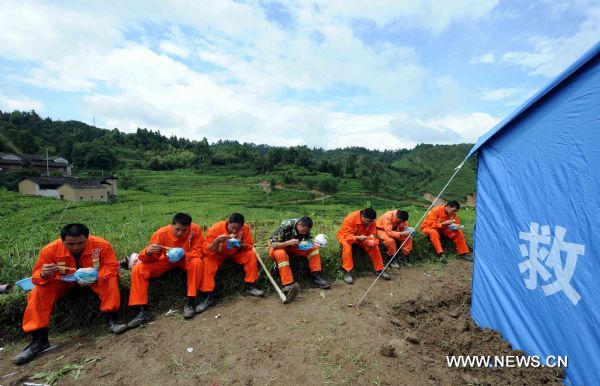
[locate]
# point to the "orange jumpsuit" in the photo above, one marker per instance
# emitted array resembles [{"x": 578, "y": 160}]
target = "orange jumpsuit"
[
  {"x": 154, "y": 265},
  {"x": 97, "y": 253},
  {"x": 432, "y": 226},
  {"x": 389, "y": 227},
  {"x": 213, "y": 260},
  {"x": 282, "y": 257},
  {"x": 352, "y": 227}
]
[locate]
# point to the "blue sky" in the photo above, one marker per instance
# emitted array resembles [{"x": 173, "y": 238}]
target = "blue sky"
[{"x": 380, "y": 74}]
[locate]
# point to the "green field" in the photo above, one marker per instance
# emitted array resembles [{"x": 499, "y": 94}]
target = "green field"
[{"x": 28, "y": 223}]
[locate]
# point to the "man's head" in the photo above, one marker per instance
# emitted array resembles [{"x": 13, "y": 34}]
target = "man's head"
[
  {"x": 75, "y": 237},
  {"x": 368, "y": 216},
  {"x": 304, "y": 225},
  {"x": 452, "y": 207},
  {"x": 181, "y": 224},
  {"x": 235, "y": 223},
  {"x": 402, "y": 215}
]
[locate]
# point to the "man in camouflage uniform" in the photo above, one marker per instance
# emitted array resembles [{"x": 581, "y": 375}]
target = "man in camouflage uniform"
[{"x": 293, "y": 237}]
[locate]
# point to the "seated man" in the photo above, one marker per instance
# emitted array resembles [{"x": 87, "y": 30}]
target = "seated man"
[
  {"x": 359, "y": 228},
  {"x": 285, "y": 241},
  {"x": 154, "y": 261},
  {"x": 443, "y": 221},
  {"x": 392, "y": 230},
  {"x": 75, "y": 249},
  {"x": 230, "y": 239}
]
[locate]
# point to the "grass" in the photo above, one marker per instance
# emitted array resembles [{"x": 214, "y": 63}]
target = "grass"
[{"x": 28, "y": 223}]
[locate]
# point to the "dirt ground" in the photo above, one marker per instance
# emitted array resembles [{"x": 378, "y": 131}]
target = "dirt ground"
[{"x": 399, "y": 336}]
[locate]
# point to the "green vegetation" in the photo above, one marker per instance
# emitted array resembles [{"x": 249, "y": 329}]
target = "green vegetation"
[{"x": 392, "y": 174}]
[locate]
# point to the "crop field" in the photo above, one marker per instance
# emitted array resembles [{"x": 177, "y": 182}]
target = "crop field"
[{"x": 28, "y": 223}]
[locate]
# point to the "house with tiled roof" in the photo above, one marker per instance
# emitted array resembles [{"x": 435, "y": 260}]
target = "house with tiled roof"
[
  {"x": 11, "y": 162},
  {"x": 70, "y": 188}
]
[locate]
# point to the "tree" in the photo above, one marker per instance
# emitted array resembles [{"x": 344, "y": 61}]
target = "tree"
[
  {"x": 329, "y": 185},
  {"x": 351, "y": 165},
  {"x": 203, "y": 152}
]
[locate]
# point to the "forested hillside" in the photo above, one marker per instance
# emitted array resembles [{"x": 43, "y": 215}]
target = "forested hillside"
[{"x": 401, "y": 173}]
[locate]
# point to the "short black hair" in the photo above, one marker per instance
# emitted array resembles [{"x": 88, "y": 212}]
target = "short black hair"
[
  {"x": 454, "y": 204},
  {"x": 306, "y": 221},
  {"x": 402, "y": 215},
  {"x": 182, "y": 219},
  {"x": 369, "y": 213},
  {"x": 74, "y": 230},
  {"x": 236, "y": 218}
]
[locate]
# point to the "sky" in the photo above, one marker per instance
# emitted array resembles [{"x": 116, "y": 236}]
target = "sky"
[{"x": 382, "y": 74}]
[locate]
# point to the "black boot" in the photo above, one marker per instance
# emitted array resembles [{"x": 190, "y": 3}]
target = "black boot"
[
  {"x": 188, "y": 307},
  {"x": 319, "y": 280},
  {"x": 384, "y": 275},
  {"x": 253, "y": 291},
  {"x": 288, "y": 287},
  {"x": 141, "y": 318},
  {"x": 113, "y": 323},
  {"x": 466, "y": 256},
  {"x": 205, "y": 303},
  {"x": 39, "y": 343}
]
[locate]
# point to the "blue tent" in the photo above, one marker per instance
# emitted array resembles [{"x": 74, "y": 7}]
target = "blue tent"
[{"x": 536, "y": 276}]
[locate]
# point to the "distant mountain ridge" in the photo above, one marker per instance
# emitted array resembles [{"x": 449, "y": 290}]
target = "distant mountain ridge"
[{"x": 400, "y": 174}]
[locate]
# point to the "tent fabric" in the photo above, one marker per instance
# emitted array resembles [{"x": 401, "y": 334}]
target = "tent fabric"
[{"x": 536, "y": 276}]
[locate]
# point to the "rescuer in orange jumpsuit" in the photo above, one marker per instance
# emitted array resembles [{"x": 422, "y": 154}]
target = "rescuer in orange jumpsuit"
[
  {"x": 155, "y": 260},
  {"x": 75, "y": 249},
  {"x": 230, "y": 239},
  {"x": 392, "y": 231},
  {"x": 359, "y": 228},
  {"x": 287, "y": 240},
  {"x": 443, "y": 221}
]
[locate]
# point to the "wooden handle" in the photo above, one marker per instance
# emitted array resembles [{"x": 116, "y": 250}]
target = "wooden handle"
[{"x": 264, "y": 267}]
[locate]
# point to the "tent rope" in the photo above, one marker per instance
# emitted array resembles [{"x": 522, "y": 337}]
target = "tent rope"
[{"x": 456, "y": 170}]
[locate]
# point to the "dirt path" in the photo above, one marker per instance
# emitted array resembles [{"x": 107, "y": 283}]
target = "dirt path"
[{"x": 400, "y": 336}]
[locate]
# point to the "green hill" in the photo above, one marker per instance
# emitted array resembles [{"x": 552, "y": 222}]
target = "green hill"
[{"x": 402, "y": 175}]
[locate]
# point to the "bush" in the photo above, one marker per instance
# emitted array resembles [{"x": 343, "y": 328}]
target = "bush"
[{"x": 329, "y": 185}]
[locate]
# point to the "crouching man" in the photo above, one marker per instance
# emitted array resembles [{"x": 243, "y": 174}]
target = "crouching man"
[
  {"x": 178, "y": 245},
  {"x": 53, "y": 276},
  {"x": 293, "y": 238},
  {"x": 229, "y": 239}
]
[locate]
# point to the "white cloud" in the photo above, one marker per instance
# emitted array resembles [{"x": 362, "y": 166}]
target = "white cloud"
[
  {"x": 489, "y": 57},
  {"x": 468, "y": 126},
  {"x": 502, "y": 93},
  {"x": 169, "y": 47},
  {"x": 38, "y": 32},
  {"x": 550, "y": 56},
  {"x": 431, "y": 15},
  {"x": 15, "y": 102},
  {"x": 135, "y": 64}
]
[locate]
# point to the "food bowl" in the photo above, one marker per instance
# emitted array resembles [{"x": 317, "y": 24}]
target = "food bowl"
[
  {"x": 25, "y": 284},
  {"x": 305, "y": 245},
  {"x": 175, "y": 254},
  {"x": 88, "y": 274},
  {"x": 233, "y": 243}
]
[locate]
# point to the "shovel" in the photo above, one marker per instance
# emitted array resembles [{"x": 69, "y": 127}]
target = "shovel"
[{"x": 293, "y": 292}]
